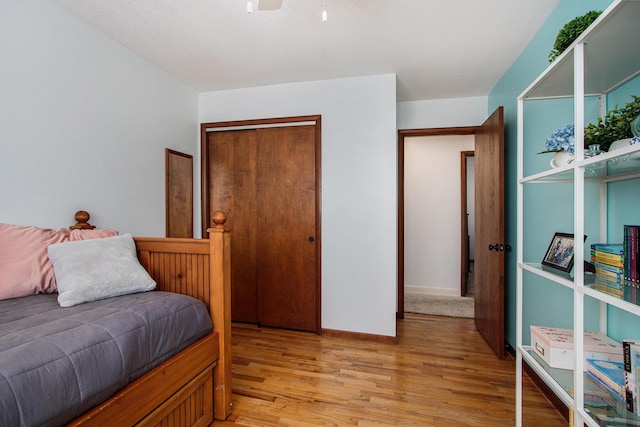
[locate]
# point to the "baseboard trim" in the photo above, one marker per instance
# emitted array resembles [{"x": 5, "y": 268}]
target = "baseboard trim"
[
  {"x": 542, "y": 386},
  {"x": 432, "y": 291},
  {"x": 360, "y": 336}
]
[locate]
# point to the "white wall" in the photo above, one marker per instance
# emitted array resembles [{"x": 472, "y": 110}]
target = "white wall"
[
  {"x": 432, "y": 213},
  {"x": 84, "y": 124},
  {"x": 436, "y": 113},
  {"x": 359, "y": 272},
  {"x": 439, "y": 113}
]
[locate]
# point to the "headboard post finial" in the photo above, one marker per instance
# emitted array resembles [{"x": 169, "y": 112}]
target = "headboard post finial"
[
  {"x": 82, "y": 221},
  {"x": 219, "y": 218}
]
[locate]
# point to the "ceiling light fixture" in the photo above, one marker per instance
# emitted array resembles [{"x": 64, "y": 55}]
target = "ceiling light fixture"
[
  {"x": 264, "y": 5},
  {"x": 277, "y": 4}
]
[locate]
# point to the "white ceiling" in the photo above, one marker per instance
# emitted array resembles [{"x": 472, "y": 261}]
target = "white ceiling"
[{"x": 438, "y": 49}]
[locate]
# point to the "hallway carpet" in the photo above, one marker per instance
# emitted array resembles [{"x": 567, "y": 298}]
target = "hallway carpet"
[{"x": 438, "y": 305}]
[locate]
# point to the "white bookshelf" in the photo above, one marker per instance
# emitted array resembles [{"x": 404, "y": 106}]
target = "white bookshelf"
[{"x": 604, "y": 57}]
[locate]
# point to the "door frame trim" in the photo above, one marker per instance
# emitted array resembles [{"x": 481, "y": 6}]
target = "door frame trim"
[
  {"x": 464, "y": 223},
  {"x": 316, "y": 120},
  {"x": 402, "y": 134}
]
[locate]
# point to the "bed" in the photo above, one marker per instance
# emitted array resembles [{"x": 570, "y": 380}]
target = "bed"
[{"x": 191, "y": 387}]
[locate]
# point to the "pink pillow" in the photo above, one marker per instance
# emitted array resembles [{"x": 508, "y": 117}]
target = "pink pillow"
[
  {"x": 91, "y": 234},
  {"x": 24, "y": 264}
]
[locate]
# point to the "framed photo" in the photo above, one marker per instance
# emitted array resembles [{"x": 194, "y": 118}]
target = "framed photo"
[{"x": 559, "y": 256}]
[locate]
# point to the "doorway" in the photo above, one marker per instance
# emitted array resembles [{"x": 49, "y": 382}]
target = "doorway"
[
  {"x": 265, "y": 174},
  {"x": 489, "y": 224},
  {"x": 467, "y": 226},
  {"x": 404, "y": 136}
]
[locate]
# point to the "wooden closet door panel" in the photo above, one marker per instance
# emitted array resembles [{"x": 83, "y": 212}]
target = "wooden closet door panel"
[
  {"x": 286, "y": 223},
  {"x": 232, "y": 188}
]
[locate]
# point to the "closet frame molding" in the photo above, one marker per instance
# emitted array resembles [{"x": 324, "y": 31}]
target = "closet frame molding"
[{"x": 315, "y": 120}]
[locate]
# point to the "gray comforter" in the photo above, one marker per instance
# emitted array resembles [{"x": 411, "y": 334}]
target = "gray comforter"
[{"x": 56, "y": 363}]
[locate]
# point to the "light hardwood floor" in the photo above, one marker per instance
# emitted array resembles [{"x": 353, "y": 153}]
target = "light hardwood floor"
[{"x": 441, "y": 373}]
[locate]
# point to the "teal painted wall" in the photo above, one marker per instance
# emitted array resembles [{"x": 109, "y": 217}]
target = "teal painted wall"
[{"x": 552, "y": 206}]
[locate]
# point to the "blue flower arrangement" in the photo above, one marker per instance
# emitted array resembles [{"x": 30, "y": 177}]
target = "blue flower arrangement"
[{"x": 561, "y": 140}]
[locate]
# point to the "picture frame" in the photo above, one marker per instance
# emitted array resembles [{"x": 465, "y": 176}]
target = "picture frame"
[
  {"x": 559, "y": 255},
  {"x": 179, "y": 194}
]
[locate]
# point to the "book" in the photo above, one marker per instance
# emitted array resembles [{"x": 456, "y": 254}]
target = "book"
[
  {"x": 608, "y": 267},
  {"x": 605, "y": 259},
  {"x": 626, "y": 239},
  {"x": 635, "y": 369},
  {"x": 614, "y": 292},
  {"x": 612, "y": 419},
  {"x": 631, "y": 357},
  {"x": 632, "y": 253},
  {"x": 631, "y": 293},
  {"x": 625, "y": 244},
  {"x": 607, "y": 255},
  {"x": 611, "y": 374},
  {"x": 597, "y": 395},
  {"x": 609, "y": 276},
  {"x": 610, "y": 248},
  {"x": 607, "y": 281},
  {"x": 631, "y": 258},
  {"x": 631, "y": 230}
]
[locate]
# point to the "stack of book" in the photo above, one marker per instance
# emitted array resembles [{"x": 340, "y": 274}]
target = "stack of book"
[
  {"x": 619, "y": 379},
  {"x": 631, "y": 261},
  {"x": 608, "y": 260},
  {"x": 609, "y": 375}
]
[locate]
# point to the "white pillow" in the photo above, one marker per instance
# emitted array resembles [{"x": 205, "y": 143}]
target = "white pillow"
[{"x": 89, "y": 270}]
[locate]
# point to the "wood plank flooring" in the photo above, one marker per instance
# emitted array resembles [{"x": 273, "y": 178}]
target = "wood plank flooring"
[{"x": 441, "y": 373}]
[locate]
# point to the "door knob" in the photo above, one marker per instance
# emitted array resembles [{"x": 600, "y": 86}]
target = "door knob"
[
  {"x": 311, "y": 239},
  {"x": 498, "y": 247}
]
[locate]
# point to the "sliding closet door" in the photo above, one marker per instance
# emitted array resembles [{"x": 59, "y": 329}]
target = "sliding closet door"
[
  {"x": 286, "y": 227},
  {"x": 265, "y": 179},
  {"x": 232, "y": 189}
]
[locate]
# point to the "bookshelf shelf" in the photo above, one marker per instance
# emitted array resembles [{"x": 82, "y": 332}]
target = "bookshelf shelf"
[
  {"x": 600, "y": 405},
  {"x": 615, "y": 61},
  {"x": 603, "y": 59},
  {"x": 607, "y": 167},
  {"x": 536, "y": 268},
  {"x": 629, "y": 301},
  {"x": 560, "y": 380}
]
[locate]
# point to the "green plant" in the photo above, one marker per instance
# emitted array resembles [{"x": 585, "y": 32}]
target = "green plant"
[
  {"x": 614, "y": 126},
  {"x": 571, "y": 31}
]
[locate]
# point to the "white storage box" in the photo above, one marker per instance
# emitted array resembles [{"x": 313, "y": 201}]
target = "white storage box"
[{"x": 555, "y": 346}]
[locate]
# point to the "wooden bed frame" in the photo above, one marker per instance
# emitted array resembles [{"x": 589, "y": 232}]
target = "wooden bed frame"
[{"x": 194, "y": 386}]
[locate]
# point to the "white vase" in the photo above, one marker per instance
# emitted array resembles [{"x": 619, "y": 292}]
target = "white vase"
[
  {"x": 562, "y": 158},
  {"x": 621, "y": 143}
]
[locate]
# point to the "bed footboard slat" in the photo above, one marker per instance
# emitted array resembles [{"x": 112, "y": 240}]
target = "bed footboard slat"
[{"x": 177, "y": 265}]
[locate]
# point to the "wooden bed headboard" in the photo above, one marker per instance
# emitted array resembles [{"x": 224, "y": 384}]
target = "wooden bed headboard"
[{"x": 199, "y": 268}]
